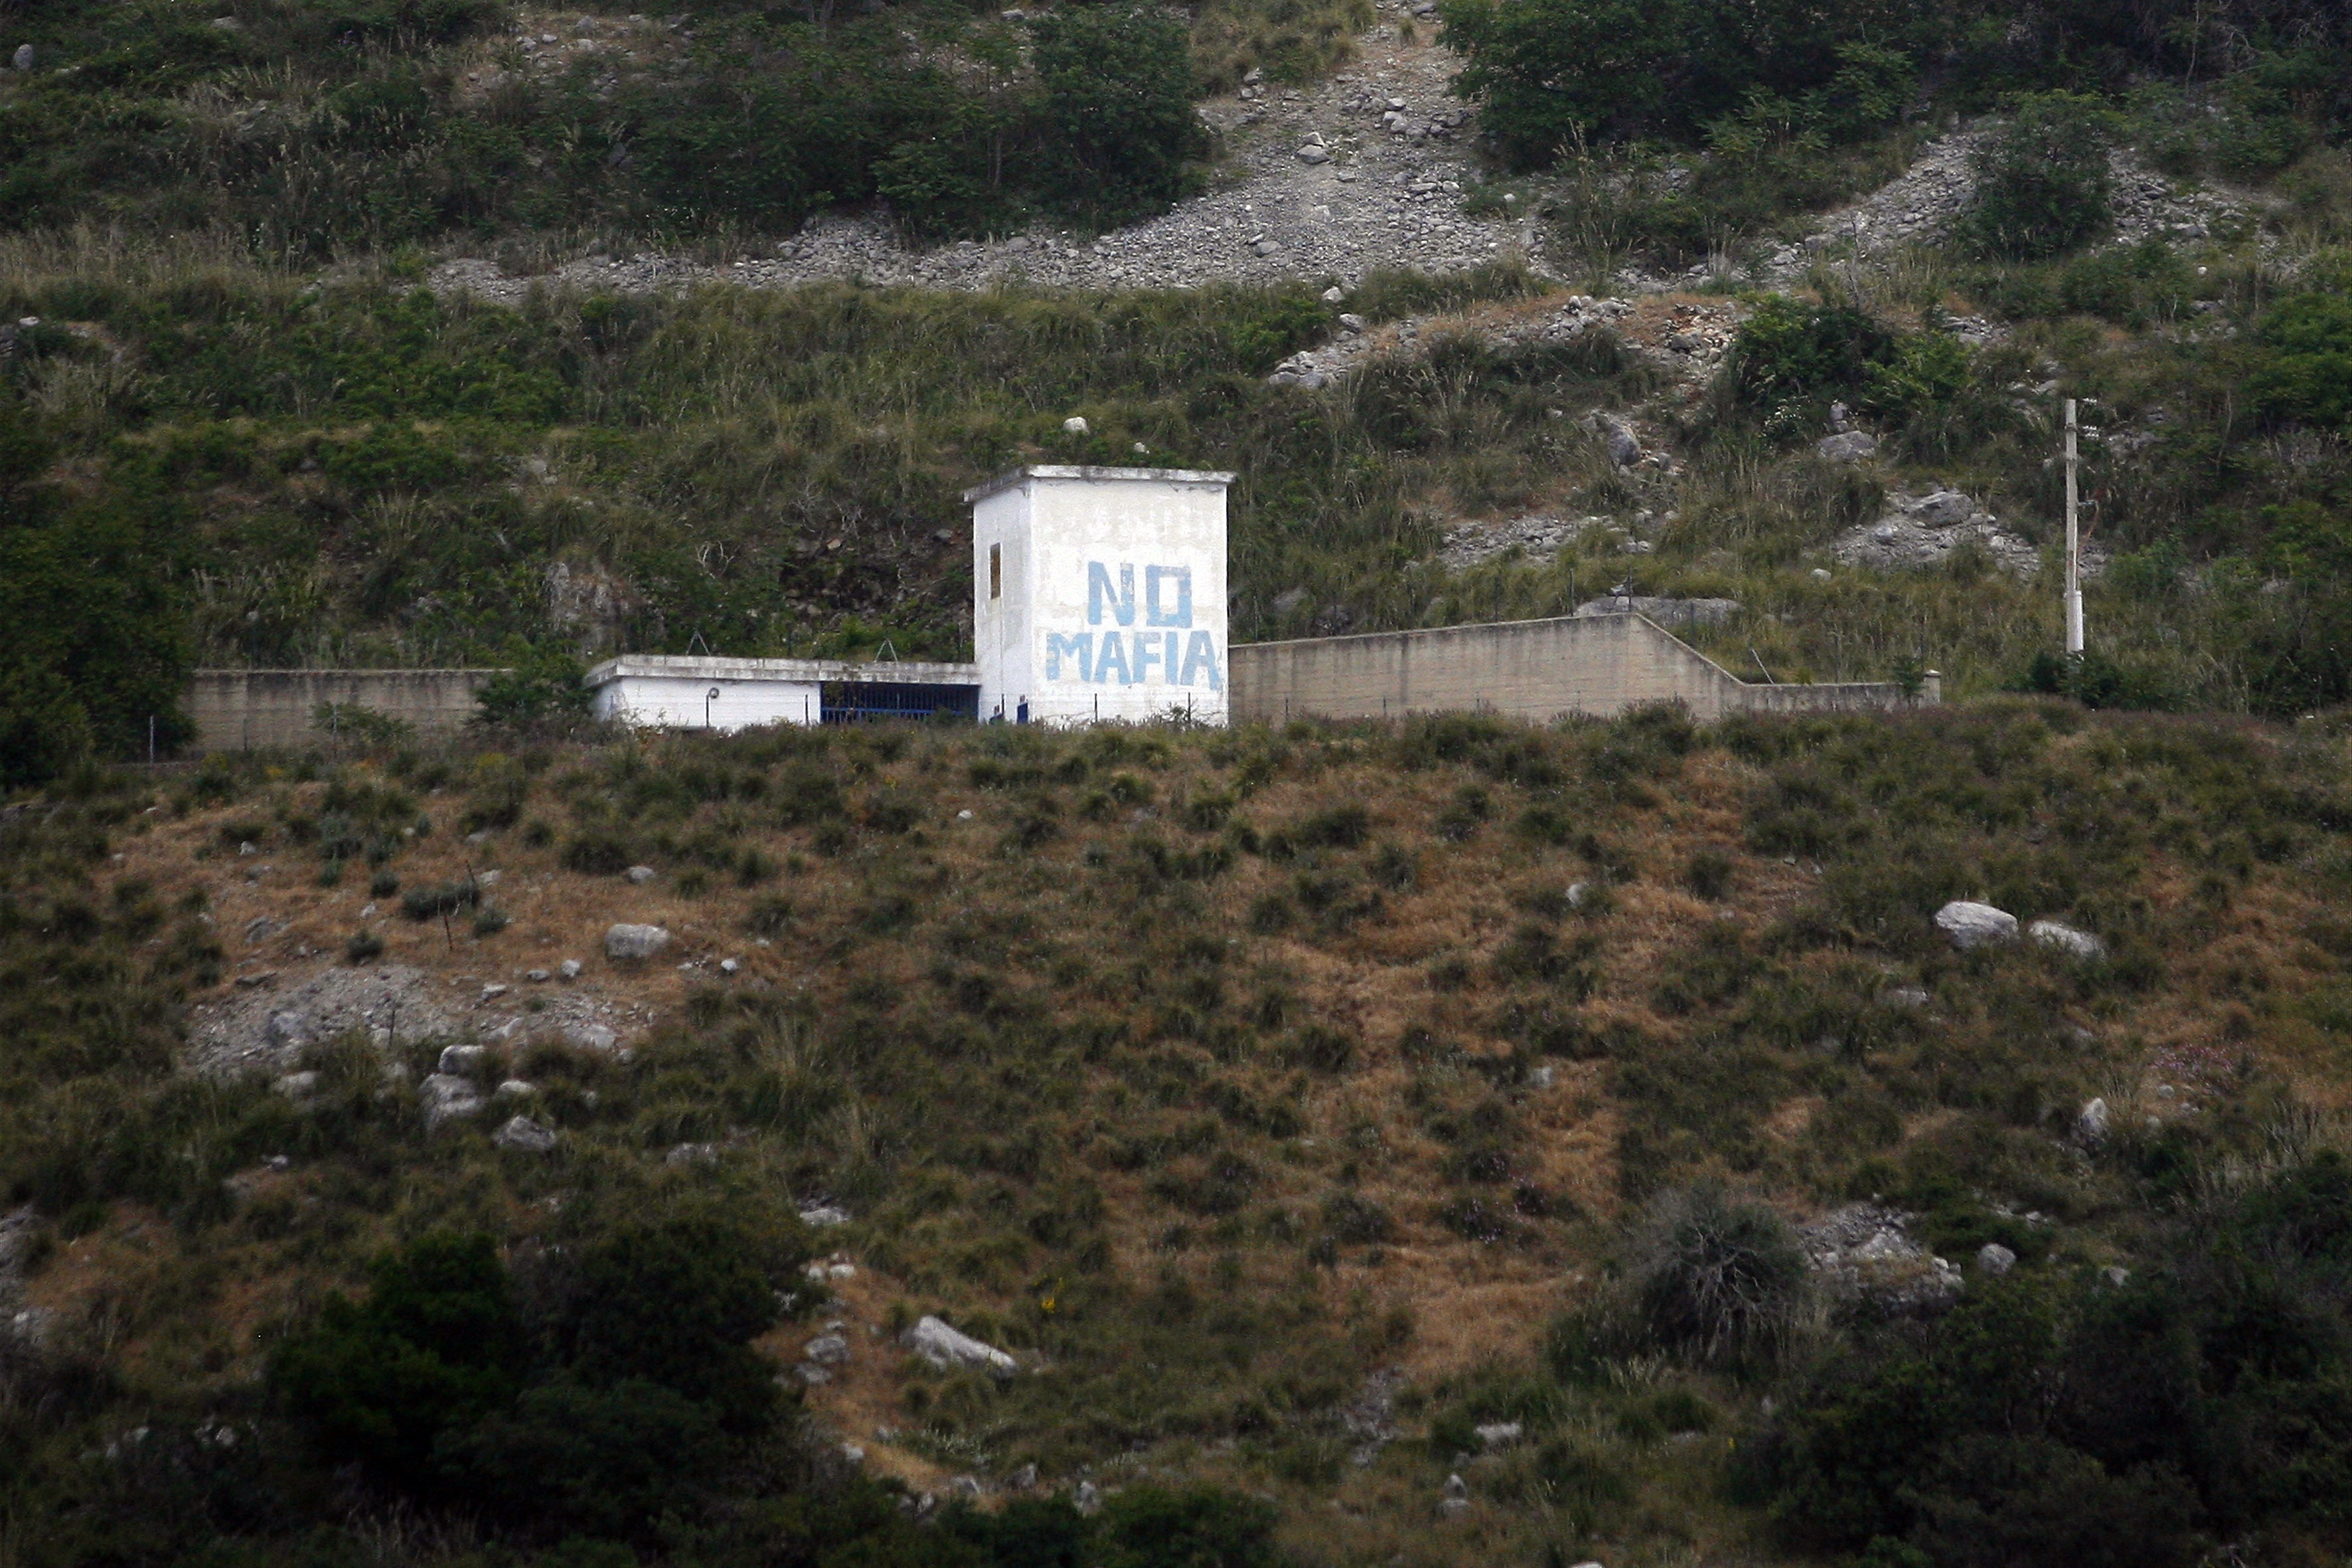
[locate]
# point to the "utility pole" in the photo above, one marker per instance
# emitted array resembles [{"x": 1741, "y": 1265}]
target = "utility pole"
[{"x": 2073, "y": 541}]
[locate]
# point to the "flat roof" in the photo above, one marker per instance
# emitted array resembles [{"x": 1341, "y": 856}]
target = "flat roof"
[
  {"x": 1012, "y": 477},
  {"x": 798, "y": 671}
]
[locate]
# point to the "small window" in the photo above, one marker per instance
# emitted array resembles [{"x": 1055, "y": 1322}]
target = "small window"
[{"x": 997, "y": 571}]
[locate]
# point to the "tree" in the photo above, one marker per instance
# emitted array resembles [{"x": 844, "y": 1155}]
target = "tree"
[
  {"x": 2308, "y": 378},
  {"x": 1119, "y": 106},
  {"x": 2041, "y": 182},
  {"x": 1552, "y": 72},
  {"x": 97, "y": 640},
  {"x": 437, "y": 1345}
]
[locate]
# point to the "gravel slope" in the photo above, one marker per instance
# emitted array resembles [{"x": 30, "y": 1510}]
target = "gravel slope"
[{"x": 1386, "y": 159}]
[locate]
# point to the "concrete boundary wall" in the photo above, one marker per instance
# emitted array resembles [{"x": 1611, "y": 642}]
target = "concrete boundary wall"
[
  {"x": 1595, "y": 665},
  {"x": 245, "y": 710}
]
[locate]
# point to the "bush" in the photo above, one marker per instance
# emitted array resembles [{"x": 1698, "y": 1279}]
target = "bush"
[
  {"x": 436, "y": 1344},
  {"x": 2308, "y": 375},
  {"x": 1715, "y": 1279},
  {"x": 540, "y": 686},
  {"x": 1118, "y": 87},
  {"x": 1789, "y": 352},
  {"x": 1150, "y": 1527},
  {"x": 2041, "y": 182},
  {"x": 1552, "y": 74},
  {"x": 596, "y": 853}
]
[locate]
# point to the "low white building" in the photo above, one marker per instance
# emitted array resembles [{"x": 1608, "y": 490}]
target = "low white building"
[
  {"x": 1100, "y": 593},
  {"x": 685, "y": 692}
]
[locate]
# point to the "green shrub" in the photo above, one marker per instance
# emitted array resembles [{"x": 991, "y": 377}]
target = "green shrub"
[
  {"x": 2307, "y": 377},
  {"x": 431, "y": 903},
  {"x": 540, "y": 686},
  {"x": 1789, "y": 351},
  {"x": 1117, "y": 87},
  {"x": 2041, "y": 180},
  {"x": 436, "y": 1344},
  {"x": 1715, "y": 1279},
  {"x": 596, "y": 853}
]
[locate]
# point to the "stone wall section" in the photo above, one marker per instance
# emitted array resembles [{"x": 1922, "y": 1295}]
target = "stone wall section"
[
  {"x": 249, "y": 710},
  {"x": 1593, "y": 665}
]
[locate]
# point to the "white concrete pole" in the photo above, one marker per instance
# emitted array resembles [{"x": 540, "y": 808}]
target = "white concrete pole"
[{"x": 2073, "y": 541}]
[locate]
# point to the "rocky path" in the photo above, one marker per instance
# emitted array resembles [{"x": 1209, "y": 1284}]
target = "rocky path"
[{"x": 1362, "y": 171}]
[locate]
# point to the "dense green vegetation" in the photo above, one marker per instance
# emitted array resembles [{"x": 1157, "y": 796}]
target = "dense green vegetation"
[
  {"x": 315, "y": 129},
  {"x": 1554, "y": 74},
  {"x": 1277, "y": 1167}
]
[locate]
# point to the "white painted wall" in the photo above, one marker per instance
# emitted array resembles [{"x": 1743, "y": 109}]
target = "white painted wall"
[
  {"x": 1112, "y": 601},
  {"x": 672, "y": 701}
]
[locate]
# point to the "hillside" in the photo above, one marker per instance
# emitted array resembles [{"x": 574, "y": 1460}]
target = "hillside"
[
  {"x": 589, "y": 341},
  {"x": 1403, "y": 1145},
  {"x": 1287, "y": 1105}
]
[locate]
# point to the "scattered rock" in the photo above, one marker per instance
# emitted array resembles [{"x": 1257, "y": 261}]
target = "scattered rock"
[
  {"x": 635, "y": 942},
  {"x": 944, "y": 1347},
  {"x": 824, "y": 1217},
  {"x": 1538, "y": 539},
  {"x": 828, "y": 1350},
  {"x": 1942, "y": 509},
  {"x": 23, "y": 58},
  {"x": 590, "y": 1038},
  {"x": 298, "y": 1085},
  {"x": 1311, "y": 156},
  {"x": 1850, "y": 446},
  {"x": 517, "y": 1088},
  {"x": 1088, "y": 1498},
  {"x": 1865, "y": 1252},
  {"x": 1668, "y": 613},
  {"x": 463, "y": 1060},
  {"x": 691, "y": 1154},
  {"x": 2091, "y": 1122},
  {"x": 2066, "y": 938},
  {"x": 1973, "y": 925},
  {"x": 445, "y": 1098},
  {"x": 1624, "y": 446},
  {"x": 525, "y": 1136},
  {"x": 568, "y": 970},
  {"x": 288, "y": 1031},
  {"x": 641, "y": 875},
  {"x": 1076, "y": 424},
  {"x": 1995, "y": 1259},
  {"x": 2116, "y": 1276},
  {"x": 1500, "y": 1434},
  {"x": 1456, "y": 1499}
]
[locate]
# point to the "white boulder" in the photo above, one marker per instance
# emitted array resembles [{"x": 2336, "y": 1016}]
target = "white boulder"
[
  {"x": 1973, "y": 925},
  {"x": 525, "y": 1136},
  {"x": 2067, "y": 939},
  {"x": 634, "y": 942},
  {"x": 446, "y": 1097},
  {"x": 945, "y": 1348}
]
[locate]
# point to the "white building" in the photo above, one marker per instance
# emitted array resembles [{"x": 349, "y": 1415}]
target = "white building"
[
  {"x": 670, "y": 692},
  {"x": 1100, "y": 593}
]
